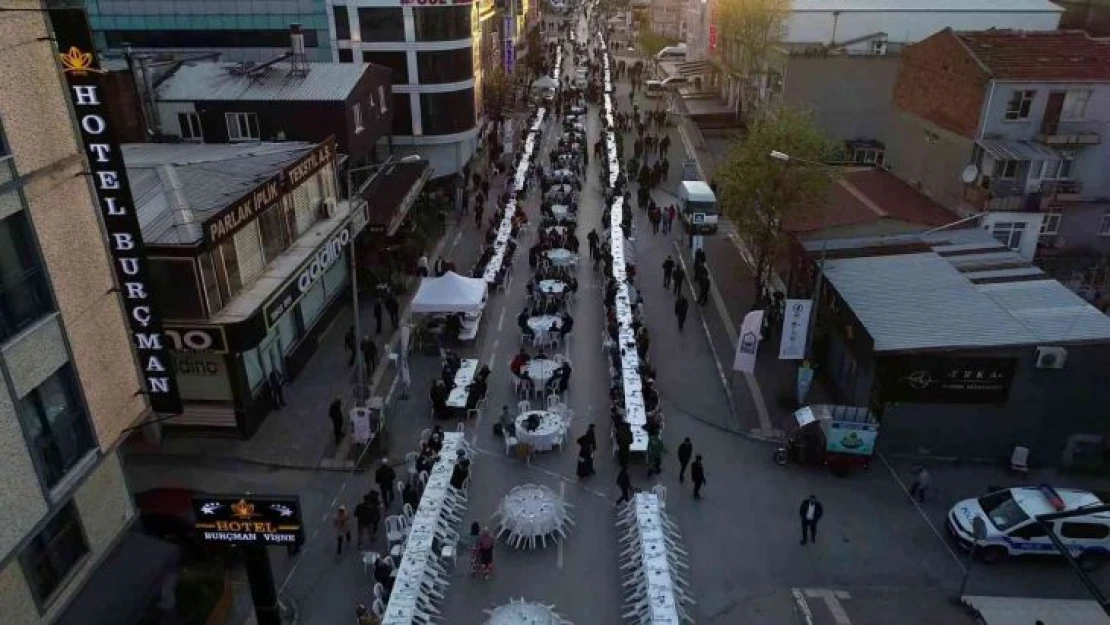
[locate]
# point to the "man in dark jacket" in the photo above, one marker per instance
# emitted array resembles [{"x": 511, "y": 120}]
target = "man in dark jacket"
[
  {"x": 668, "y": 267},
  {"x": 335, "y": 413},
  {"x": 681, "y": 306},
  {"x": 624, "y": 481},
  {"x": 679, "y": 276},
  {"x": 384, "y": 477},
  {"x": 685, "y": 451},
  {"x": 697, "y": 475},
  {"x": 393, "y": 307},
  {"x": 367, "y": 515},
  {"x": 810, "y": 512}
]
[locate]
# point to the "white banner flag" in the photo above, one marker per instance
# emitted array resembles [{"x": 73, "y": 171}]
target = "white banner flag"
[
  {"x": 748, "y": 343},
  {"x": 795, "y": 327}
]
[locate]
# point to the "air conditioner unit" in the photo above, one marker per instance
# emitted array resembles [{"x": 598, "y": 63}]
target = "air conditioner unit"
[
  {"x": 327, "y": 208},
  {"x": 1050, "y": 357}
]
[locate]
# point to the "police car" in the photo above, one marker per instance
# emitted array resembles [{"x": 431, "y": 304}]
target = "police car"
[{"x": 1009, "y": 529}]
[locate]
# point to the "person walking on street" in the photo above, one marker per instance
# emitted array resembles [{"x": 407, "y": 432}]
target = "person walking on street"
[
  {"x": 921, "y": 481},
  {"x": 349, "y": 345},
  {"x": 678, "y": 276},
  {"x": 668, "y": 267},
  {"x": 367, "y": 515},
  {"x": 277, "y": 387},
  {"x": 384, "y": 477},
  {"x": 342, "y": 525},
  {"x": 655, "y": 451},
  {"x": 335, "y": 413},
  {"x": 624, "y": 481},
  {"x": 685, "y": 450},
  {"x": 697, "y": 476},
  {"x": 681, "y": 306},
  {"x": 703, "y": 289},
  {"x": 369, "y": 356},
  {"x": 377, "y": 315},
  {"x": 394, "y": 308},
  {"x": 810, "y": 513}
]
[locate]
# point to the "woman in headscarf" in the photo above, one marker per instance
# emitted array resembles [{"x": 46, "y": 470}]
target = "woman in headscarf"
[
  {"x": 485, "y": 553},
  {"x": 587, "y": 443}
]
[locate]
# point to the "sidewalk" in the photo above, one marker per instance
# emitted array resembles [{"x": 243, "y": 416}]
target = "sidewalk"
[{"x": 299, "y": 435}]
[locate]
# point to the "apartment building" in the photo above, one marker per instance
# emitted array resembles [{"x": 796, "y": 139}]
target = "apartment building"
[
  {"x": 1010, "y": 123},
  {"x": 667, "y": 18},
  {"x": 70, "y": 385}
]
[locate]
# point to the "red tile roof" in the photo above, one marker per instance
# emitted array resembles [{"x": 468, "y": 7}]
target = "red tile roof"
[
  {"x": 1040, "y": 55},
  {"x": 868, "y": 195}
]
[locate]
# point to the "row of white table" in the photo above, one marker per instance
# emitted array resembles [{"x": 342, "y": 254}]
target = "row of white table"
[
  {"x": 505, "y": 228},
  {"x": 463, "y": 377},
  {"x": 654, "y": 559},
  {"x": 419, "y": 547}
]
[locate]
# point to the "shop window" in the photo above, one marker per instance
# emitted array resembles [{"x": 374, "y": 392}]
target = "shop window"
[
  {"x": 397, "y": 62},
  {"x": 342, "y": 23},
  {"x": 174, "y": 284},
  {"x": 24, "y": 290},
  {"x": 57, "y": 425},
  {"x": 288, "y": 331},
  {"x": 252, "y": 366},
  {"x": 211, "y": 284},
  {"x": 312, "y": 304},
  {"x": 402, "y": 115},
  {"x": 306, "y": 211},
  {"x": 242, "y": 126},
  {"x": 248, "y": 249},
  {"x": 336, "y": 277},
  {"x": 381, "y": 24},
  {"x": 442, "y": 23},
  {"x": 54, "y": 552},
  {"x": 190, "y": 126},
  {"x": 447, "y": 113},
  {"x": 445, "y": 66},
  {"x": 227, "y": 270}
]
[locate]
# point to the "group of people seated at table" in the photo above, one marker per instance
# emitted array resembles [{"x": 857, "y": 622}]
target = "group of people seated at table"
[
  {"x": 441, "y": 388},
  {"x": 563, "y": 324},
  {"x": 559, "y": 381},
  {"x": 554, "y": 238}
]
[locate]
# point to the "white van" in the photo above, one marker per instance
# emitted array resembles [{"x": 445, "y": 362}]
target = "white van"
[
  {"x": 1010, "y": 529},
  {"x": 698, "y": 207},
  {"x": 672, "y": 53},
  {"x": 654, "y": 89}
]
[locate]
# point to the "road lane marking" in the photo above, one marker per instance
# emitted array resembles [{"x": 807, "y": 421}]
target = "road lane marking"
[
  {"x": 803, "y": 607},
  {"x": 832, "y": 603},
  {"x": 959, "y": 561},
  {"x": 501, "y": 319}
]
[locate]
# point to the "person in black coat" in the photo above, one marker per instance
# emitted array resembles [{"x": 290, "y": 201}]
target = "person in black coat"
[
  {"x": 685, "y": 450},
  {"x": 624, "y": 481},
  {"x": 335, "y": 413},
  {"x": 385, "y": 476},
  {"x": 810, "y": 513},
  {"x": 681, "y": 306},
  {"x": 697, "y": 475}
]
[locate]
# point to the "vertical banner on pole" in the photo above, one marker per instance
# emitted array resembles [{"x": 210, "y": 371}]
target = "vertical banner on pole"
[
  {"x": 747, "y": 345},
  {"x": 795, "y": 328}
]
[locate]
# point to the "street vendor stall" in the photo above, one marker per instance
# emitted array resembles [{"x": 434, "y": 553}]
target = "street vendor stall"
[{"x": 839, "y": 437}]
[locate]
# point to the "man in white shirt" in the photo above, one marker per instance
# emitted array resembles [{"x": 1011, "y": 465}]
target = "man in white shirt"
[{"x": 810, "y": 512}]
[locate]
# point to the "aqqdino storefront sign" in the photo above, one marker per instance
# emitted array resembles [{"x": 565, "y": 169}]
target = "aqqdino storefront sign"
[
  {"x": 321, "y": 260},
  {"x": 113, "y": 192}
]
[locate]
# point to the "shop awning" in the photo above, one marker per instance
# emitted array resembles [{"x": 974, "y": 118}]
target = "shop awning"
[
  {"x": 392, "y": 192},
  {"x": 1016, "y": 150},
  {"x": 124, "y": 584}
]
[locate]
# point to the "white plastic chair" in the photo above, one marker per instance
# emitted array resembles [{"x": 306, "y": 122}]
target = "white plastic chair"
[
  {"x": 369, "y": 559},
  {"x": 378, "y": 608},
  {"x": 425, "y": 434},
  {"x": 379, "y": 591},
  {"x": 461, "y": 428},
  {"x": 395, "y": 528},
  {"x": 660, "y": 491},
  {"x": 523, "y": 406},
  {"x": 400, "y": 488},
  {"x": 553, "y": 401},
  {"x": 1019, "y": 460},
  {"x": 510, "y": 444},
  {"x": 406, "y": 510}
]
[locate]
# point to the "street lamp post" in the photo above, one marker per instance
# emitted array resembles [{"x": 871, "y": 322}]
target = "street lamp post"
[{"x": 361, "y": 392}]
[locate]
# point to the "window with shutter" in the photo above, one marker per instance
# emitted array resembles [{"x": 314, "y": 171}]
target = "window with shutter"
[
  {"x": 307, "y": 211},
  {"x": 248, "y": 249}
]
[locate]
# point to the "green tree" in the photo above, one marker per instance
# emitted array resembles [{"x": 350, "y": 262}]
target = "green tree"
[
  {"x": 651, "y": 43},
  {"x": 496, "y": 91},
  {"x": 749, "y": 35},
  {"x": 760, "y": 193}
]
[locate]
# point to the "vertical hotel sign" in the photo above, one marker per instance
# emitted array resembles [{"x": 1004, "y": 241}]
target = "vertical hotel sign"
[{"x": 109, "y": 177}]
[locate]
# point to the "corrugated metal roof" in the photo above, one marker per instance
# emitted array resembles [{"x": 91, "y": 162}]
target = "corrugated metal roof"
[
  {"x": 324, "y": 82},
  {"x": 920, "y": 301},
  {"x": 177, "y": 186},
  {"x": 1050, "y": 312},
  {"x": 1017, "y": 150}
]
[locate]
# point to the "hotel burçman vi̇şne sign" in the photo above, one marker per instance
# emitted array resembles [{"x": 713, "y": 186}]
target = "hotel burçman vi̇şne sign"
[
  {"x": 113, "y": 192},
  {"x": 247, "y": 519}
]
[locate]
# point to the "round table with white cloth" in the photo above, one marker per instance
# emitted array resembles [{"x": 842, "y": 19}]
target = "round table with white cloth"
[
  {"x": 550, "y": 430},
  {"x": 524, "y": 613},
  {"x": 544, "y": 323},
  {"x": 541, "y": 370},
  {"x": 552, "y": 287},
  {"x": 532, "y": 512},
  {"x": 560, "y": 257}
]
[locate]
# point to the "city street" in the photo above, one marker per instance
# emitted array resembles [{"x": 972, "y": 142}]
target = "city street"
[{"x": 879, "y": 558}]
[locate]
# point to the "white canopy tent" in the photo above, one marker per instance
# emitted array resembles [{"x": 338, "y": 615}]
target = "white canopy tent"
[
  {"x": 545, "y": 82},
  {"x": 450, "y": 293}
]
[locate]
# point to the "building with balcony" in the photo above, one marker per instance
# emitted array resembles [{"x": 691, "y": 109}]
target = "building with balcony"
[
  {"x": 70, "y": 383},
  {"x": 1011, "y": 123}
]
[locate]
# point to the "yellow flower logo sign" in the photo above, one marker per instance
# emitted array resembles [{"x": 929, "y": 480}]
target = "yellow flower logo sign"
[{"x": 77, "y": 62}]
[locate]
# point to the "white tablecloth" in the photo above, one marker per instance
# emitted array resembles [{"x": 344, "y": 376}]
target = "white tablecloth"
[
  {"x": 549, "y": 432},
  {"x": 419, "y": 547},
  {"x": 653, "y": 556},
  {"x": 544, "y": 323},
  {"x": 560, "y": 257},
  {"x": 531, "y": 510},
  {"x": 552, "y": 287},
  {"x": 635, "y": 414},
  {"x": 463, "y": 377},
  {"x": 541, "y": 370}
]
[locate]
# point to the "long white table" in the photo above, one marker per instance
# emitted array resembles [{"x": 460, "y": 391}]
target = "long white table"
[
  {"x": 654, "y": 559},
  {"x": 419, "y": 550},
  {"x": 463, "y": 377},
  {"x": 635, "y": 412}
]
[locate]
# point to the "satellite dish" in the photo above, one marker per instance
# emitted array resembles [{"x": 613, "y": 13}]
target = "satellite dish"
[{"x": 969, "y": 174}]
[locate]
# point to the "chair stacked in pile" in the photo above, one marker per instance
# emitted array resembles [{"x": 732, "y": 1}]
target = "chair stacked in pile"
[
  {"x": 653, "y": 563},
  {"x": 427, "y": 540}
]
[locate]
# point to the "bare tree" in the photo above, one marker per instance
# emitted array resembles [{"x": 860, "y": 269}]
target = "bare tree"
[{"x": 750, "y": 33}]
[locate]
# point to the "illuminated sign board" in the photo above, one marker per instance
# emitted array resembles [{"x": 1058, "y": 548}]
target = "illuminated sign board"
[{"x": 248, "y": 519}]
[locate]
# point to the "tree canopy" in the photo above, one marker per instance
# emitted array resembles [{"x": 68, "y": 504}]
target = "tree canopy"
[{"x": 759, "y": 193}]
